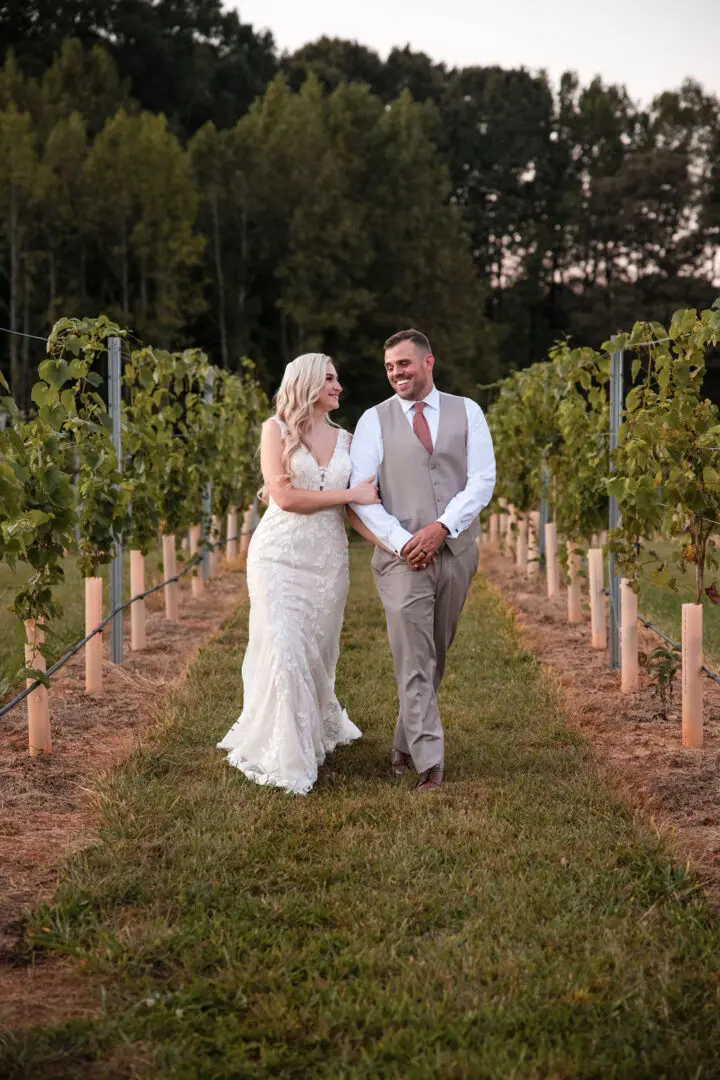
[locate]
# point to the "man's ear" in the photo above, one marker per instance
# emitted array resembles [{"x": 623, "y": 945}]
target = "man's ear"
[{"x": 430, "y": 360}]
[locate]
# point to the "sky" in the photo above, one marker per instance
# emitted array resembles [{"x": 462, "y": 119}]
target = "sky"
[{"x": 648, "y": 45}]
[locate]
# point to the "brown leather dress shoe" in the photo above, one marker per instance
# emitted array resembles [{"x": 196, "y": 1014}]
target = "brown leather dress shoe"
[
  {"x": 431, "y": 779},
  {"x": 400, "y": 762}
]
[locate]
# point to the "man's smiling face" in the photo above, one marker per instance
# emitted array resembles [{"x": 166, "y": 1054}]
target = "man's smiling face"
[{"x": 409, "y": 370}]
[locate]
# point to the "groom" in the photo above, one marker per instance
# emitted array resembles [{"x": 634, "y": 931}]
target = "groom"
[{"x": 433, "y": 457}]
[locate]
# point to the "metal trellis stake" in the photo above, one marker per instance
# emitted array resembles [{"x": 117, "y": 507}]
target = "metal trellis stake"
[
  {"x": 207, "y": 493},
  {"x": 616, "y": 407},
  {"x": 544, "y": 514},
  {"x": 76, "y": 479},
  {"x": 116, "y": 566}
]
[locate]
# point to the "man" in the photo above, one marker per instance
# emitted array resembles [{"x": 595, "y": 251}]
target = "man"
[{"x": 433, "y": 457}]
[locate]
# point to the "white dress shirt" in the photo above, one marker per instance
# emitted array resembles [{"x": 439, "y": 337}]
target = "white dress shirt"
[{"x": 366, "y": 454}]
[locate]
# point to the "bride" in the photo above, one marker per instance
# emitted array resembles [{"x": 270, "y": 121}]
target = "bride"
[{"x": 297, "y": 575}]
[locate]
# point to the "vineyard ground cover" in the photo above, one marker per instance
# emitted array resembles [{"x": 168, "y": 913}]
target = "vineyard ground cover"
[
  {"x": 523, "y": 923},
  {"x": 662, "y": 606},
  {"x": 47, "y": 803},
  {"x": 68, "y": 629},
  {"x": 641, "y": 750}
]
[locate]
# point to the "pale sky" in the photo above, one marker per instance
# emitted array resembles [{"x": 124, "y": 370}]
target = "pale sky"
[{"x": 649, "y": 45}]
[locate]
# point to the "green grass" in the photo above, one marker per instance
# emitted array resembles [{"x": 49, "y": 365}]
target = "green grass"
[
  {"x": 66, "y": 630},
  {"x": 663, "y": 607},
  {"x": 519, "y": 924}
]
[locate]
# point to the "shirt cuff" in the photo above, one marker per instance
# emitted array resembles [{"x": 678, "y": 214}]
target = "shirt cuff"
[
  {"x": 398, "y": 538},
  {"x": 452, "y": 531}
]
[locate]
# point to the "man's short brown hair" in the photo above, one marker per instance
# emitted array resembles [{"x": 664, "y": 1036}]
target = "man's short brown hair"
[{"x": 416, "y": 336}]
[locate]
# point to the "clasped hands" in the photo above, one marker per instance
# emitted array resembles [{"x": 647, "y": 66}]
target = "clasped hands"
[{"x": 420, "y": 551}]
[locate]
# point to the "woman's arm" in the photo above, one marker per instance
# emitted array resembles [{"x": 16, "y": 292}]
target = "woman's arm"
[
  {"x": 297, "y": 500},
  {"x": 361, "y": 528}
]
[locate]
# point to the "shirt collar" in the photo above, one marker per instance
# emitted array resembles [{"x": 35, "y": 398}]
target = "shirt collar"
[{"x": 432, "y": 399}]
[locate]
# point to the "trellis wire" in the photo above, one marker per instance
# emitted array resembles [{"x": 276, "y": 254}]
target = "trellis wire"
[
  {"x": 19, "y": 333},
  {"x": 704, "y": 669},
  {"x": 195, "y": 561},
  {"x": 674, "y": 644}
]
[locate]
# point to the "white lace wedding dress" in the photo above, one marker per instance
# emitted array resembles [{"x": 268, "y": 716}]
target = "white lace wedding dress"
[{"x": 297, "y": 574}]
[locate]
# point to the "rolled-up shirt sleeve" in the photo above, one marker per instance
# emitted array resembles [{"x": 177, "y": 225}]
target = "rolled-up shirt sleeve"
[
  {"x": 366, "y": 455},
  {"x": 461, "y": 511}
]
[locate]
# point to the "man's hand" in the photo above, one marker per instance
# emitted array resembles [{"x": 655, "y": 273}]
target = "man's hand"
[{"x": 421, "y": 550}]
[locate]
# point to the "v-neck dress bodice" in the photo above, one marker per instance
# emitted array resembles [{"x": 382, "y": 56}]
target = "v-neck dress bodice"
[{"x": 297, "y": 574}]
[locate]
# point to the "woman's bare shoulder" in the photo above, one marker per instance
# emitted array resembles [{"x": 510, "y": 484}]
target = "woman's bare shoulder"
[{"x": 274, "y": 423}]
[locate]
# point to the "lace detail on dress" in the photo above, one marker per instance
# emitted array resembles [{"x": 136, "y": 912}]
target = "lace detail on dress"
[{"x": 297, "y": 580}]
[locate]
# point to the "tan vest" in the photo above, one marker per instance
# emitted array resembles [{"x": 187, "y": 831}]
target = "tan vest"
[{"x": 415, "y": 487}]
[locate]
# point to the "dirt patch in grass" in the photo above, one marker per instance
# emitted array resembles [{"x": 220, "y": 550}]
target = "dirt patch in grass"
[
  {"x": 680, "y": 788},
  {"x": 48, "y": 805}
]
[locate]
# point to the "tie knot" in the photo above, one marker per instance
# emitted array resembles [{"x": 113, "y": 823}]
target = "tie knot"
[{"x": 419, "y": 406}]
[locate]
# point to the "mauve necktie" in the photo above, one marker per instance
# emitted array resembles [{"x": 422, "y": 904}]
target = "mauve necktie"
[{"x": 420, "y": 427}]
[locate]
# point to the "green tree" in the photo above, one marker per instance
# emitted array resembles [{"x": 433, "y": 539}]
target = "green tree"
[
  {"x": 190, "y": 60},
  {"x": 20, "y": 191},
  {"x": 63, "y": 211},
  {"x": 84, "y": 81},
  {"x": 143, "y": 209}
]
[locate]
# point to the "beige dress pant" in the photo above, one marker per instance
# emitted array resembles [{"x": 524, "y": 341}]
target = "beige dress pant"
[{"x": 422, "y": 610}]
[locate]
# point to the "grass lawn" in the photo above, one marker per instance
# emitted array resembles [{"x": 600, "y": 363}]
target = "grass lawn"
[
  {"x": 519, "y": 924},
  {"x": 662, "y": 607},
  {"x": 70, "y": 627}
]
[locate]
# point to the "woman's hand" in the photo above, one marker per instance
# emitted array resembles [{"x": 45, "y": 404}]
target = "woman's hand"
[{"x": 365, "y": 493}]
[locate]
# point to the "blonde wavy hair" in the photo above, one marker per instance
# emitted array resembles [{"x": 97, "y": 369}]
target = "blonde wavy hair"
[{"x": 295, "y": 401}]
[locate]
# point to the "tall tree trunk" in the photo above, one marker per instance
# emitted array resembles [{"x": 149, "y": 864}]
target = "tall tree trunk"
[
  {"x": 219, "y": 273},
  {"x": 243, "y": 247},
  {"x": 144, "y": 287},
  {"x": 53, "y": 286},
  {"x": 242, "y": 337},
  {"x": 125, "y": 274},
  {"x": 15, "y": 371},
  {"x": 27, "y": 380},
  {"x": 284, "y": 336},
  {"x": 83, "y": 272}
]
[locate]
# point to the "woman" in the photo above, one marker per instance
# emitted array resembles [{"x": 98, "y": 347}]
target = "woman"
[{"x": 297, "y": 575}]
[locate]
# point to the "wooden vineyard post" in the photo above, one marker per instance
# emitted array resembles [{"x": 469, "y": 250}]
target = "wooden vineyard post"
[
  {"x": 629, "y": 673},
  {"x": 533, "y": 555},
  {"x": 551, "y": 562},
  {"x": 574, "y": 593},
  {"x": 137, "y": 609},
  {"x": 511, "y": 533},
  {"x": 39, "y": 740},
  {"x": 246, "y": 531},
  {"x": 692, "y": 662},
  {"x": 494, "y": 537},
  {"x": 169, "y": 571},
  {"x": 198, "y": 582},
  {"x": 231, "y": 550},
  {"x": 216, "y": 555},
  {"x": 503, "y": 522},
  {"x": 521, "y": 550},
  {"x": 597, "y": 598},
  {"x": 93, "y": 649}
]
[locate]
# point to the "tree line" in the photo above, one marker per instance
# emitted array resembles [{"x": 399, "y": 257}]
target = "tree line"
[{"x": 164, "y": 164}]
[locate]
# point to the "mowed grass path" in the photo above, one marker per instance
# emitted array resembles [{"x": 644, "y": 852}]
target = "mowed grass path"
[{"x": 519, "y": 924}]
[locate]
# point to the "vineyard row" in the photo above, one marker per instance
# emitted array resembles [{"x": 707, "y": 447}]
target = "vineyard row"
[
  {"x": 642, "y": 467},
  {"x": 189, "y": 435}
]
